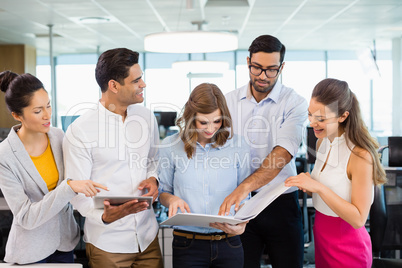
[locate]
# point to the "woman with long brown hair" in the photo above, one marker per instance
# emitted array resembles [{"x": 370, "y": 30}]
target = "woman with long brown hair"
[
  {"x": 342, "y": 182},
  {"x": 199, "y": 167}
]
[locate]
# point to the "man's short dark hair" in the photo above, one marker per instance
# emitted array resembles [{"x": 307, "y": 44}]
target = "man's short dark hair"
[
  {"x": 114, "y": 64},
  {"x": 268, "y": 44}
]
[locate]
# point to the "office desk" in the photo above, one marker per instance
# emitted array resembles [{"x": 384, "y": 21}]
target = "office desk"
[{"x": 44, "y": 265}]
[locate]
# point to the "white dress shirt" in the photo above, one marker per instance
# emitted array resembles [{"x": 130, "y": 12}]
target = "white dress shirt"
[
  {"x": 277, "y": 120},
  {"x": 100, "y": 146}
]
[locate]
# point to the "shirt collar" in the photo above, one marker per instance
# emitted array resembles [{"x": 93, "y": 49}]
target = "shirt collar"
[
  {"x": 337, "y": 140},
  {"x": 273, "y": 95},
  {"x": 209, "y": 145},
  {"x": 107, "y": 113}
]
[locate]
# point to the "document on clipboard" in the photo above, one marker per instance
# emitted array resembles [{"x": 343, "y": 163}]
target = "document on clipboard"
[{"x": 248, "y": 211}]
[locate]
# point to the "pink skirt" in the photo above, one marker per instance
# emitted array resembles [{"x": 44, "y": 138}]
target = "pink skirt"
[{"x": 338, "y": 244}]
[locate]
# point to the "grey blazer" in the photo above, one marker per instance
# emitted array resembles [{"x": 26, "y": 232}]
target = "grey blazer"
[{"x": 43, "y": 221}]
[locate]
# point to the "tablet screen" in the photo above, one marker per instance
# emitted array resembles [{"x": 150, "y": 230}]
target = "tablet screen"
[{"x": 119, "y": 200}]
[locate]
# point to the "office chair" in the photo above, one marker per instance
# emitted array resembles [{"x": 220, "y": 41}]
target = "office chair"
[
  {"x": 301, "y": 166},
  {"x": 378, "y": 223},
  {"x": 311, "y": 157},
  {"x": 379, "y": 212},
  {"x": 395, "y": 151}
]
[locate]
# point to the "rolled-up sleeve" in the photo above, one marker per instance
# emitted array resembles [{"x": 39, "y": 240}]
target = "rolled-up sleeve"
[{"x": 289, "y": 130}]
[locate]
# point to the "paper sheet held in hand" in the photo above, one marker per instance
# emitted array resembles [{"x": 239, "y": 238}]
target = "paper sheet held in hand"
[{"x": 248, "y": 211}]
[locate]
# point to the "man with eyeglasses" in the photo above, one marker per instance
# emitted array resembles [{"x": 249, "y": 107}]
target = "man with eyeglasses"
[{"x": 271, "y": 117}]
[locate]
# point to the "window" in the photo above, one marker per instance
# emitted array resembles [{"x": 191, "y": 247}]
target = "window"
[
  {"x": 75, "y": 83},
  {"x": 168, "y": 88}
]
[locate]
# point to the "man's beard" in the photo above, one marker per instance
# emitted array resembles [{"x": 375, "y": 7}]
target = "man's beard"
[{"x": 260, "y": 89}]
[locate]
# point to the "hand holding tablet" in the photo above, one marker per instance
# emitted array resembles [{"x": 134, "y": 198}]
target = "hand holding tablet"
[{"x": 119, "y": 200}]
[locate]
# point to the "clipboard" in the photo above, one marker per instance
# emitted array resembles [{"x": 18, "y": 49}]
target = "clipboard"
[
  {"x": 200, "y": 220},
  {"x": 119, "y": 200}
]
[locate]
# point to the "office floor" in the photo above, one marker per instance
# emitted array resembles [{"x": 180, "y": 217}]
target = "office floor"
[{"x": 309, "y": 255}]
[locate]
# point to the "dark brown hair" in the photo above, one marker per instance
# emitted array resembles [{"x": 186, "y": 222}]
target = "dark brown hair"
[
  {"x": 114, "y": 64},
  {"x": 205, "y": 98},
  {"x": 19, "y": 90},
  {"x": 339, "y": 98},
  {"x": 268, "y": 44}
]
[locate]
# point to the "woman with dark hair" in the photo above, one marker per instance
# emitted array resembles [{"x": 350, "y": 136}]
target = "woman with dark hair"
[
  {"x": 199, "y": 167},
  {"x": 342, "y": 182},
  {"x": 31, "y": 168}
]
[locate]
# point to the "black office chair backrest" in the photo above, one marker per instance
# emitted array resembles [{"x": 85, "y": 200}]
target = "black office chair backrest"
[
  {"x": 378, "y": 220},
  {"x": 311, "y": 145},
  {"x": 395, "y": 151}
]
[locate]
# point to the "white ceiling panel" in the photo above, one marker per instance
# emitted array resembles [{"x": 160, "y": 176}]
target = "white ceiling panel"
[{"x": 300, "y": 24}]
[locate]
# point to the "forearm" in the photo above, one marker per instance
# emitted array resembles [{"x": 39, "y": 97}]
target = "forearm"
[
  {"x": 269, "y": 169},
  {"x": 344, "y": 209},
  {"x": 34, "y": 214},
  {"x": 164, "y": 199}
]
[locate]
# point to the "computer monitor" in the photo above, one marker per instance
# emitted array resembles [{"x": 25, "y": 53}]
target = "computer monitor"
[
  {"x": 166, "y": 119},
  {"x": 66, "y": 120}
]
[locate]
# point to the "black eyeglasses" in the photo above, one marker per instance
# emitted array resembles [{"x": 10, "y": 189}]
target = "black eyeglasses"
[{"x": 270, "y": 72}]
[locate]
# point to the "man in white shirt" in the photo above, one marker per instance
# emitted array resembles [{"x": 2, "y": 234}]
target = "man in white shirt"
[
  {"x": 271, "y": 117},
  {"x": 114, "y": 143}
]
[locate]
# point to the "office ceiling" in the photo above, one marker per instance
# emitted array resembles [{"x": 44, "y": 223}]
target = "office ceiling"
[{"x": 299, "y": 24}]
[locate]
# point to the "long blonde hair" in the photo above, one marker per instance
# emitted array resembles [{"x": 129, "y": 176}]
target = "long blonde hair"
[
  {"x": 333, "y": 92},
  {"x": 205, "y": 98}
]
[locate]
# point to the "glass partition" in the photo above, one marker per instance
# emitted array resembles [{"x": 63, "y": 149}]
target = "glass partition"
[{"x": 168, "y": 88}]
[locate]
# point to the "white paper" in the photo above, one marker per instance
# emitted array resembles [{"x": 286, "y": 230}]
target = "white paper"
[
  {"x": 200, "y": 220},
  {"x": 260, "y": 201},
  {"x": 248, "y": 211}
]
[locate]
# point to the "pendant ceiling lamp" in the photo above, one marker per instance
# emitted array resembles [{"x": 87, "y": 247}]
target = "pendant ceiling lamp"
[
  {"x": 191, "y": 41},
  {"x": 201, "y": 66}
]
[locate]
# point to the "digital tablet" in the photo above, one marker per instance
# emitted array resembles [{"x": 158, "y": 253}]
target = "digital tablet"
[{"x": 118, "y": 200}]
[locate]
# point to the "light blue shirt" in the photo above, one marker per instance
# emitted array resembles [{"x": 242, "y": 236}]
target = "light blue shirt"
[
  {"x": 204, "y": 181},
  {"x": 277, "y": 120}
]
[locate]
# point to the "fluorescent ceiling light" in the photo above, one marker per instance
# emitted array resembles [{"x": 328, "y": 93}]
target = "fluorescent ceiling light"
[
  {"x": 93, "y": 20},
  {"x": 190, "y": 42},
  {"x": 201, "y": 66}
]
